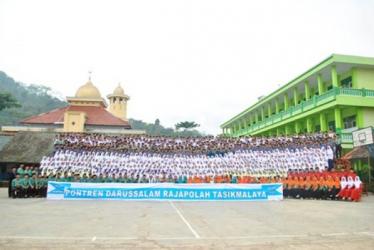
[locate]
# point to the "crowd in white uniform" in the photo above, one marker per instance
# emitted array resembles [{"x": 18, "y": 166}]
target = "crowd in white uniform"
[{"x": 142, "y": 159}]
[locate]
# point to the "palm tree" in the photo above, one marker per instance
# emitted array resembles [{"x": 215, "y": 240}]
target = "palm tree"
[{"x": 186, "y": 125}]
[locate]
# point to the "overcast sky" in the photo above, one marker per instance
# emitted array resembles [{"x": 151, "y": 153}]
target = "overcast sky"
[{"x": 203, "y": 61}]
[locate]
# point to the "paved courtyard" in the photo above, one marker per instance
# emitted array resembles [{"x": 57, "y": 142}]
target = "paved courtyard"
[{"x": 288, "y": 224}]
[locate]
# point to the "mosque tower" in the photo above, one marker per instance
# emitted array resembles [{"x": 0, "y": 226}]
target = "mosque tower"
[{"x": 118, "y": 103}]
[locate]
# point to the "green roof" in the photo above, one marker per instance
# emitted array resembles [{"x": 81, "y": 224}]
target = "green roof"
[{"x": 334, "y": 58}]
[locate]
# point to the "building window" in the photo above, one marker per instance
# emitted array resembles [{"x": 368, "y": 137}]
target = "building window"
[
  {"x": 318, "y": 128},
  {"x": 349, "y": 122},
  {"x": 347, "y": 82}
]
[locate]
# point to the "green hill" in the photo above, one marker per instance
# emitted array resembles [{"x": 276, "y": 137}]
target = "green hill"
[{"x": 34, "y": 99}]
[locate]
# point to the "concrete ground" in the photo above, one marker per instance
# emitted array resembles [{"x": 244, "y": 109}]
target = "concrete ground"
[{"x": 288, "y": 224}]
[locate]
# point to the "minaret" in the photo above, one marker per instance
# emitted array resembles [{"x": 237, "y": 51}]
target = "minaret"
[{"x": 118, "y": 103}]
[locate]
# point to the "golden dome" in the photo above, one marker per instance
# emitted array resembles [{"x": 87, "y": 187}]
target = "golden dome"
[
  {"x": 119, "y": 91},
  {"x": 88, "y": 91}
]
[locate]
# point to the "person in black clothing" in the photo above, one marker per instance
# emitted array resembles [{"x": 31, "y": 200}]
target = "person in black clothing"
[{"x": 11, "y": 177}]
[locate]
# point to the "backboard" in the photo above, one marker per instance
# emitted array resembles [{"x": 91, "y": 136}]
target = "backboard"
[{"x": 363, "y": 137}]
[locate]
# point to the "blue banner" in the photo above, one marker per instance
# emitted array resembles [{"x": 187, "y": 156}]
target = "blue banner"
[{"x": 164, "y": 191}]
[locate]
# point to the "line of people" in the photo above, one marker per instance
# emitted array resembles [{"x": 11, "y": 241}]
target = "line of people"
[
  {"x": 325, "y": 185},
  {"x": 299, "y": 184},
  {"x": 29, "y": 187},
  {"x": 199, "y": 145}
]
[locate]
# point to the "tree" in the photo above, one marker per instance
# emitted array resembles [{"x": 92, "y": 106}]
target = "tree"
[
  {"x": 8, "y": 101},
  {"x": 186, "y": 125}
]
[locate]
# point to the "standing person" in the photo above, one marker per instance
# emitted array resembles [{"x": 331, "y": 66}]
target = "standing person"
[
  {"x": 26, "y": 188},
  {"x": 17, "y": 187},
  {"x": 33, "y": 186},
  {"x": 338, "y": 147},
  {"x": 20, "y": 171},
  {"x": 11, "y": 177},
  {"x": 330, "y": 158}
]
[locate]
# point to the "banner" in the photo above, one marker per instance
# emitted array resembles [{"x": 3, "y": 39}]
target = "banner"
[{"x": 164, "y": 191}]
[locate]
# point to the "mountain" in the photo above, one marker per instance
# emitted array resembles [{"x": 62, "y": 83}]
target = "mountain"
[{"x": 35, "y": 99}]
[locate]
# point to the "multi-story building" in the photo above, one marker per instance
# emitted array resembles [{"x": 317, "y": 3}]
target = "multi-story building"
[{"x": 335, "y": 95}]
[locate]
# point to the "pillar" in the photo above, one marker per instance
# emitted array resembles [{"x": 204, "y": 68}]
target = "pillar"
[
  {"x": 286, "y": 104},
  {"x": 276, "y": 106},
  {"x": 307, "y": 90},
  {"x": 309, "y": 125},
  {"x": 334, "y": 77},
  {"x": 278, "y": 131},
  {"x": 360, "y": 118},
  {"x": 297, "y": 127},
  {"x": 287, "y": 130},
  {"x": 256, "y": 116},
  {"x": 320, "y": 84},
  {"x": 269, "y": 110},
  {"x": 262, "y": 114},
  {"x": 338, "y": 119},
  {"x": 322, "y": 120},
  {"x": 296, "y": 96}
]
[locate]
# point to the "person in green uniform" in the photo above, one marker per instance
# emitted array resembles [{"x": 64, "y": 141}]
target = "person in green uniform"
[
  {"x": 20, "y": 171},
  {"x": 84, "y": 178},
  {"x": 26, "y": 186},
  {"x": 29, "y": 171},
  {"x": 32, "y": 186},
  {"x": 69, "y": 177},
  {"x": 39, "y": 185},
  {"x": 51, "y": 177},
  {"x": 16, "y": 187},
  {"x": 108, "y": 179},
  {"x": 76, "y": 178},
  {"x": 99, "y": 179},
  {"x": 180, "y": 179},
  {"x": 234, "y": 179}
]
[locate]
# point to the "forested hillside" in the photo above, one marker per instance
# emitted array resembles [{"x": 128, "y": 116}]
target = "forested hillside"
[{"x": 34, "y": 99}]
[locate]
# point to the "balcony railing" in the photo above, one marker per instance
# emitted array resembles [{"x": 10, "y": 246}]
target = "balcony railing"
[
  {"x": 315, "y": 101},
  {"x": 346, "y": 137}
]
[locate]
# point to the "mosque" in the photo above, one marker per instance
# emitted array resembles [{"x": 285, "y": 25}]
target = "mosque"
[{"x": 87, "y": 111}]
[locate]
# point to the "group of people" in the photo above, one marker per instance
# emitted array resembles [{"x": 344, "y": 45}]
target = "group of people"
[
  {"x": 185, "y": 145},
  {"x": 26, "y": 182},
  {"x": 303, "y": 163},
  {"x": 155, "y": 167},
  {"x": 333, "y": 185}
]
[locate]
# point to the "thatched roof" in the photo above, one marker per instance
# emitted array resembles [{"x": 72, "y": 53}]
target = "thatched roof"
[
  {"x": 27, "y": 147},
  {"x": 360, "y": 152},
  {"x": 4, "y": 139}
]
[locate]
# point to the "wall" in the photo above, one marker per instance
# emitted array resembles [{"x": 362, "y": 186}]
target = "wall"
[
  {"x": 363, "y": 78},
  {"x": 74, "y": 121},
  {"x": 368, "y": 114}
]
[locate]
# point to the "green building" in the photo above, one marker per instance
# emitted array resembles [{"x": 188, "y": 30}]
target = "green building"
[{"x": 335, "y": 95}]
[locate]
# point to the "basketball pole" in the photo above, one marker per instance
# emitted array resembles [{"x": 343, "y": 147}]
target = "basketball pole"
[{"x": 369, "y": 167}]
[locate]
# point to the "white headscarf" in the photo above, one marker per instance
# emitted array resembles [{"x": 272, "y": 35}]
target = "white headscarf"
[
  {"x": 350, "y": 182},
  {"x": 357, "y": 182},
  {"x": 343, "y": 182}
]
